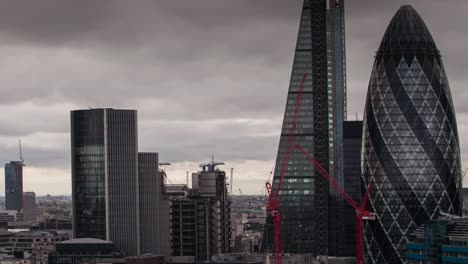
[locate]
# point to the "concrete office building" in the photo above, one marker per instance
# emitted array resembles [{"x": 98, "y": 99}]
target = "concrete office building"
[
  {"x": 29, "y": 200},
  {"x": 154, "y": 207},
  {"x": 14, "y": 185},
  {"x": 200, "y": 220},
  {"x": 465, "y": 201},
  {"x": 86, "y": 250},
  {"x": 30, "y": 210},
  {"x": 31, "y": 245},
  {"x": 11, "y": 216},
  {"x": 439, "y": 241},
  {"x": 104, "y": 150}
]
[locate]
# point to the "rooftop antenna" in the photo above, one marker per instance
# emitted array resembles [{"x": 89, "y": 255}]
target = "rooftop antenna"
[
  {"x": 21, "y": 153},
  {"x": 357, "y": 117}
]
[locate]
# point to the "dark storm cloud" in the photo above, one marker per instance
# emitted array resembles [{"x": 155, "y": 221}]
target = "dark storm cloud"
[{"x": 207, "y": 76}]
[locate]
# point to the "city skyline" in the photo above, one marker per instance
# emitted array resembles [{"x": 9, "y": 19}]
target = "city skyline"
[{"x": 145, "y": 73}]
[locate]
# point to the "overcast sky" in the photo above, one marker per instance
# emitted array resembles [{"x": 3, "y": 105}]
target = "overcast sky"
[{"x": 206, "y": 76}]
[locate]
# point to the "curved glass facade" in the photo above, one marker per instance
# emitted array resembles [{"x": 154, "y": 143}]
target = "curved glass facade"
[{"x": 410, "y": 141}]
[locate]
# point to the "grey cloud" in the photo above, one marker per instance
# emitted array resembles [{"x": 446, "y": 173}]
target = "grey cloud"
[{"x": 183, "y": 65}]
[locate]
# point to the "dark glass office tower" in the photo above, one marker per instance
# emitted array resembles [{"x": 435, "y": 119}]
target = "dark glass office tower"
[
  {"x": 150, "y": 193},
  {"x": 304, "y": 198},
  {"x": 336, "y": 68},
  {"x": 105, "y": 176},
  {"x": 410, "y": 142},
  {"x": 352, "y": 143},
  {"x": 14, "y": 185}
]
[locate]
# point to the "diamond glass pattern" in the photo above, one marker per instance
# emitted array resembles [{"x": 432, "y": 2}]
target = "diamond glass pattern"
[{"x": 410, "y": 141}]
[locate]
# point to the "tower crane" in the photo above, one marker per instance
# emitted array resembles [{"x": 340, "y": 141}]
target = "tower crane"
[
  {"x": 274, "y": 194},
  {"x": 21, "y": 154},
  {"x": 361, "y": 212}
]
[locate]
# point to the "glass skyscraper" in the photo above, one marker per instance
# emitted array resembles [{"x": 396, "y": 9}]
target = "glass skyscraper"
[
  {"x": 105, "y": 177},
  {"x": 14, "y": 185},
  {"x": 305, "y": 197},
  {"x": 410, "y": 148},
  {"x": 336, "y": 71}
]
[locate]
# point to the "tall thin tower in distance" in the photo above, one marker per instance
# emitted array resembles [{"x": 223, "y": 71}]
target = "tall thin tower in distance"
[{"x": 14, "y": 183}]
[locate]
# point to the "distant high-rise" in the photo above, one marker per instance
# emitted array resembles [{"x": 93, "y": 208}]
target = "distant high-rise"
[
  {"x": 151, "y": 204},
  {"x": 30, "y": 211},
  {"x": 104, "y": 146},
  {"x": 29, "y": 199},
  {"x": 411, "y": 152},
  {"x": 14, "y": 185},
  {"x": 336, "y": 69},
  {"x": 312, "y": 212}
]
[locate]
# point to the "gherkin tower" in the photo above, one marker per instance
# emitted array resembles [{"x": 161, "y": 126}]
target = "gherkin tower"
[{"x": 410, "y": 151}]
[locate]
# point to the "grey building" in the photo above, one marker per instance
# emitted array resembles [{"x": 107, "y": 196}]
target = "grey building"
[
  {"x": 86, "y": 250},
  {"x": 439, "y": 241},
  {"x": 154, "y": 206},
  {"x": 465, "y": 201},
  {"x": 200, "y": 221},
  {"x": 104, "y": 154},
  {"x": 336, "y": 72},
  {"x": 29, "y": 200},
  {"x": 14, "y": 185}
]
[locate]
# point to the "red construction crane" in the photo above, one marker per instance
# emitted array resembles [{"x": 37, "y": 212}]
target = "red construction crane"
[
  {"x": 361, "y": 212},
  {"x": 274, "y": 195}
]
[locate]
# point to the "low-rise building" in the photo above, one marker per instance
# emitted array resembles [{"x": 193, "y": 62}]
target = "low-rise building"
[
  {"x": 10, "y": 216},
  {"x": 86, "y": 250},
  {"x": 439, "y": 241},
  {"x": 145, "y": 259},
  {"x": 29, "y": 245}
]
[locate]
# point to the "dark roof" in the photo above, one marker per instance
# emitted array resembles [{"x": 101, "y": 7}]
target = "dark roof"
[
  {"x": 352, "y": 129},
  {"x": 407, "y": 32}
]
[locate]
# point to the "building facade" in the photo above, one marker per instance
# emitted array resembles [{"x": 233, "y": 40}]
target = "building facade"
[
  {"x": 150, "y": 191},
  {"x": 439, "y": 241},
  {"x": 352, "y": 143},
  {"x": 14, "y": 185},
  {"x": 410, "y": 145},
  {"x": 86, "y": 250},
  {"x": 200, "y": 221},
  {"x": 33, "y": 246},
  {"x": 104, "y": 145},
  {"x": 465, "y": 201},
  {"x": 306, "y": 197},
  {"x": 29, "y": 200},
  {"x": 336, "y": 72}
]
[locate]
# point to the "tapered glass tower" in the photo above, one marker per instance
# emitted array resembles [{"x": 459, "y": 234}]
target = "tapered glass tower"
[
  {"x": 410, "y": 148},
  {"x": 305, "y": 206}
]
